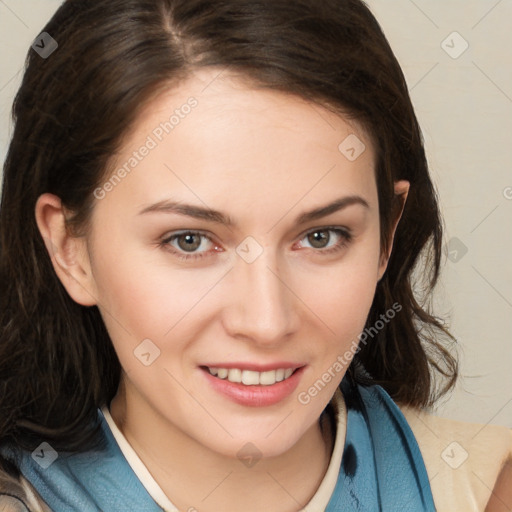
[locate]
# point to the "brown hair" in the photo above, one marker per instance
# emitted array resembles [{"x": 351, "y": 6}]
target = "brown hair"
[{"x": 57, "y": 364}]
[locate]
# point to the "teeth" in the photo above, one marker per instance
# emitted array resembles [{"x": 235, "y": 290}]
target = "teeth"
[
  {"x": 235, "y": 375},
  {"x": 222, "y": 373},
  {"x": 251, "y": 378},
  {"x": 267, "y": 378}
]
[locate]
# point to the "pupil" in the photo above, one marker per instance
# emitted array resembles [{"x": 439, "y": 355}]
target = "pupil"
[
  {"x": 189, "y": 241},
  {"x": 317, "y": 238}
]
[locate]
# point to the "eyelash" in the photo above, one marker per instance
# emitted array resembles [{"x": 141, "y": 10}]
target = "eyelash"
[{"x": 346, "y": 238}]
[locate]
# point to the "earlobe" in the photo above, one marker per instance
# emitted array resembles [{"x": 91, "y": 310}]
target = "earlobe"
[
  {"x": 401, "y": 191},
  {"x": 68, "y": 254}
]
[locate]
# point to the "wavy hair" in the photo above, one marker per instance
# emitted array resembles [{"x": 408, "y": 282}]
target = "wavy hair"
[{"x": 57, "y": 363}]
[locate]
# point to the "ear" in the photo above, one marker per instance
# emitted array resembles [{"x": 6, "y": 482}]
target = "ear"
[
  {"x": 401, "y": 190},
  {"x": 68, "y": 254}
]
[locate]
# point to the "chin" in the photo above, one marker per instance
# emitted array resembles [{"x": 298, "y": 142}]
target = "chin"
[{"x": 259, "y": 443}]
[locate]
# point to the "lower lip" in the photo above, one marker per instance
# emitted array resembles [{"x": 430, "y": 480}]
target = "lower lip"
[{"x": 255, "y": 396}]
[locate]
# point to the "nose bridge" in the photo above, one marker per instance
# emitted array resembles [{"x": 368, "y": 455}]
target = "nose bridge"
[{"x": 263, "y": 309}]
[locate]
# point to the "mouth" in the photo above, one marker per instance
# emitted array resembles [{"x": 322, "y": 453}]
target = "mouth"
[
  {"x": 251, "y": 377},
  {"x": 254, "y": 385}
]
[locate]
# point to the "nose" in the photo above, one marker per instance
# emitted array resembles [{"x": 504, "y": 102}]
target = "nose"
[{"x": 263, "y": 308}]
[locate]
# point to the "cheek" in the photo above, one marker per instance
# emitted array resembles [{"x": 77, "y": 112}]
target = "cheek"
[
  {"x": 345, "y": 290},
  {"x": 140, "y": 291},
  {"x": 342, "y": 299},
  {"x": 343, "y": 307}
]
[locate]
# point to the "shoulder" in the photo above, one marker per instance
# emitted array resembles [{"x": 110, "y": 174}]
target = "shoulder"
[
  {"x": 468, "y": 464},
  {"x": 18, "y": 495}
]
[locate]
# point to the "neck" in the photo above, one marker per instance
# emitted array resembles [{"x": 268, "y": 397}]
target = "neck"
[{"x": 194, "y": 477}]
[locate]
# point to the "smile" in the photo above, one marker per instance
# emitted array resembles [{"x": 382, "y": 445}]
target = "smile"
[
  {"x": 250, "y": 377},
  {"x": 253, "y": 388}
]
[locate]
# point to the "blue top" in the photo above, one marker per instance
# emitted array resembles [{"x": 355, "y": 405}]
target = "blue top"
[{"x": 382, "y": 468}]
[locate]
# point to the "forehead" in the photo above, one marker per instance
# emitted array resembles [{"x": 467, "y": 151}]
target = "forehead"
[
  {"x": 232, "y": 101},
  {"x": 216, "y": 136}
]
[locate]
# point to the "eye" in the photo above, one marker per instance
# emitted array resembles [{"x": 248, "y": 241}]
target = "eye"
[
  {"x": 320, "y": 238},
  {"x": 185, "y": 244}
]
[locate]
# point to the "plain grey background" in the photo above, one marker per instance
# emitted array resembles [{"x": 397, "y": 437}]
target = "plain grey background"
[{"x": 457, "y": 58}]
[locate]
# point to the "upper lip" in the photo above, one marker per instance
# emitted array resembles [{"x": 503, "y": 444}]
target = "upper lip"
[{"x": 255, "y": 367}]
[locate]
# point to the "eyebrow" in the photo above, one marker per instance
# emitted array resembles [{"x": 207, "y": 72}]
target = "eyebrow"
[{"x": 202, "y": 213}]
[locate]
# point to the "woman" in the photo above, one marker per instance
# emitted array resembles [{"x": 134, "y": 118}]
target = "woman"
[{"x": 210, "y": 216}]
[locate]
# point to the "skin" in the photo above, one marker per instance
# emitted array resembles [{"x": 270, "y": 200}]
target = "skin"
[{"x": 262, "y": 157}]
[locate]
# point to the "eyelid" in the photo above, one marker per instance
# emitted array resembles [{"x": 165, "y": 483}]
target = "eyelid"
[
  {"x": 345, "y": 232},
  {"x": 343, "y": 229},
  {"x": 173, "y": 234},
  {"x": 167, "y": 239}
]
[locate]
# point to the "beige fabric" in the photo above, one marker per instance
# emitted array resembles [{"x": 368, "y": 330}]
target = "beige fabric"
[
  {"x": 16, "y": 495},
  {"x": 463, "y": 460}
]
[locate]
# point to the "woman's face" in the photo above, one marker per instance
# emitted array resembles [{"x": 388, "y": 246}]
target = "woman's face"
[{"x": 241, "y": 239}]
